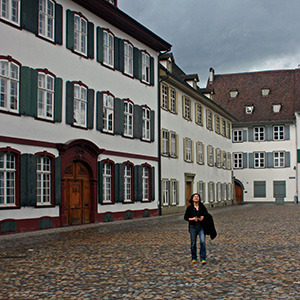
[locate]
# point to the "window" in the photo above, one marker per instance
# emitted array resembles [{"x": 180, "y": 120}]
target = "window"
[
  {"x": 80, "y": 34},
  {"x": 165, "y": 186},
  {"x": 276, "y": 108},
  {"x": 80, "y": 105},
  {"x": 146, "y": 124},
  {"x": 108, "y": 113},
  {"x": 107, "y": 182},
  {"x": 173, "y": 192},
  {"x": 228, "y": 130},
  {"x": 188, "y": 150},
  {"x": 43, "y": 180},
  {"x": 223, "y": 127},
  {"x": 200, "y": 153},
  {"x": 10, "y": 11},
  {"x": 211, "y": 191},
  {"x": 128, "y": 183},
  {"x": 128, "y": 58},
  {"x": 279, "y": 159},
  {"x": 187, "y": 114},
  {"x": 219, "y": 191},
  {"x": 145, "y": 184},
  {"x": 228, "y": 160},
  {"x": 237, "y": 160},
  {"x": 218, "y": 158},
  {"x": 199, "y": 114},
  {"x": 217, "y": 124},
  {"x": 45, "y": 95},
  {"x": 278, "y": 133},
  {"x": 9, "y": 86},
  {"x": 259, "y": 134},
  {"x": 233, "y": 93},
  {"x": 279, "y": 189},
  {"x": 259, "y": 159},
  {"x": 259, "y": 189},
  {"x": 237, "y": 135},
  {"x": 164, "y": 96},
  {"x": 249, "y": 109},
  {"x": 209, "y": 119},
  {"x": 201, "y": 190},
  {"x": 265, "y": 92},
  {"x": 7, "y": 178},
  {"x": 108, "y": 48},
  {"x": 165, "y": 142},
  {"x": 224, "y": 160},
  {"x": 128, "y": 119},
  {"x": 173, "y": 101},
  {"x": 173, "y": 144},
  {"x": 229, "y": 191},
  {"x": 46, "y": 19},
  {"x": 210, "y": 155},
  {"x": 145, "y": 67}
]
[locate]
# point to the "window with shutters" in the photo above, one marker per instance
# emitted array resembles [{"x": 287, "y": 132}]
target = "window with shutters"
[
  {"x": 219, "y": 192},
  {"x": 166, "y": 192},
  {"x": 199, "y": 113},
  {"x": 259, "y": 189},
  {"x": 228, "y": 129},
  {"x": 209, "y": 121},
  {"x": 187, "y": 108},
  {"x": 146, "y": 183},
  {"x": 279, "y": 159},
  {"x": 229, "y": 191},
  {"x": 80, "y": 34},
  {"x": 145, "y": 67},
  {"x": 173, "y": 101},
  {"x": 46, "y": 19},
  {"x": 188, "y": 146},
  {"x": 146, "y": 123},
  {"x": 278, "y": 133},
  {"x": 128, "y": 118},
  {"x": 218, "y": 157},
  {"x": 108, "y": 48},
  {"x": 165, "y": 142},
  {"x": 173, "y": 192},
  {"x": 210, "y": 155},
  {"x": 44, "y": 181},
  {"x": 224, "y": 160},
  {"x": 128, "y": 58},
  {"x": 211, "y": 191},
  {"x": 200, "y": 154},
  {"x": 237, "y": 135},
  {"x": 128, "y": 188},
  {"x": 164, "y": 96},
  {"x": 9, "y": 85},
  {"x": 107, "y": 182},
  {"x": 80, "y": 105},
  {"x": 237, "y": 160},
  {"x": 201, "y": 191},
  {"x": 217, "y": 124},
  {"x": 228, "y": 161},
  {"x": 173, "y": 144},
  {"x": 45, "y": 109},
  {"x": 8, "y": 175},
  {"x": 10, "y": 11},
  {"x": 259, "y": 133},
  {"x": 108, "y": 113},
  {"x": 223, "y": 131},
  {"x": 259, "y": 159}
]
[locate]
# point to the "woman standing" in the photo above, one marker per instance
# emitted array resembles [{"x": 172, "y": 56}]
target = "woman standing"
[{"x": 195, "y": 214}]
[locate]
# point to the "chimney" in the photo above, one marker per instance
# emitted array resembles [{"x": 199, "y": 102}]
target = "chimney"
[{"x": 211, "y": 75}]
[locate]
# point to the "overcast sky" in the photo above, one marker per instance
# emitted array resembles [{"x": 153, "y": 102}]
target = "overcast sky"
[{"x": 232, "y": 36}]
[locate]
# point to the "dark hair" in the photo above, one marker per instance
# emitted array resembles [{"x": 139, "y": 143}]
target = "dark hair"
[{"x": 191, "y": 200}]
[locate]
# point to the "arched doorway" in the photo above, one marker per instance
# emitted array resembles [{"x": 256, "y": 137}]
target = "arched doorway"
[
  {"x": 77, "y": 194},
  {"x": 239, "y": 188}
]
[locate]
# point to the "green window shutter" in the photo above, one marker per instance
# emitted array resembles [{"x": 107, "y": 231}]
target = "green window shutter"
[
  {"x": 121, "y": 182},
  {"x": 57, "y": 179},
  {"x": 279, "y": 189},
  {"x": 24, "y": 90},
  {"x": 58, "y": 100},
  {"x": 138, "y": 188},
  {"x": 177, "y": 192},
  {"x": 90, "y": 109},
  {"x": 287, "y": 132},
  {"x": 99, "y": 112},
  {"x": 99, "y": 44},
  {"x": 119, "y": 116},
  {"x": 287, "y": 159},
  {"x": 116, "y": 53},
  {"x": 270, "y": 160},
  {"x": 152, "y": 125},
  {"x": 259, "y": 189},
  {"x": 269, "y": 133},
  {"x": 58, "y": 24},
  {"x": 33, "y": 92},
  {"x": 117, "y": 185},
  {"x": 153, "y": 184},
  {"x": 152, "y": 70},
  {"x": 69, "y": 102},
  {"x": 29, "y": 15},
  {"x": 251, "y": 160},
  {"x": 23, "y": 176},
  {"x": 137, "y": 63},
  {"x": 100, "y": 182},
  {"x": 245, "y": 133},
  {"x": 70, "y": 30},
  {"x": 298, "y": 156},
  {"x": 121, "y": 55},
  {"x": 137, "y": 121},
  {"x": 250, "y": 134},
  {"x": 90, "y": 40}
]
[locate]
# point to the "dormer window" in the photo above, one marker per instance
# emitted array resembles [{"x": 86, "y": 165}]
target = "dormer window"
[
  {"x": 249, "y": 109},
  {"x": 276, "y": 108},
  {"x": 234, "y": 93},
  {"x": 265, "y": 92}
]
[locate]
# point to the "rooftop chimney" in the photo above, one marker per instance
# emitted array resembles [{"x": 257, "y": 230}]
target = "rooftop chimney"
[{"x": 211, "y": 75}]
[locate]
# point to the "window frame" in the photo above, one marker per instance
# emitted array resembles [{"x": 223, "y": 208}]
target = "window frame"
[
  {"x": 146, "y": 123},
  {"x": 187, "y": 108},
  {"x": 238, "y": 160},
  {"x": 9, "y": 18},
  {"x": 108, "y": 112},
  {"x": 146, "y": 65},
  {"x": 173, "y": 100},
  {"x": 173, "y": 191},
  {"x": 200, "y": 153},
  {"x": 47, "y": 17},
  {"x": 146, "y": 182},
  {"x": 188, "y": 150},
  {"x": 108, "y": 182},
  {"x": 237, "y": 135},
  {"x": 209, "y": 119},
  {"x": 279, "y": 161},
  {"x": 80, "y": 101},
  {"x": 80, "y": 36},
  {"x": 164, "y": 96},
  {"x": 259, "y": 160},
  {"x": 259, "y": 133},
  {"x": 128, "y": 58},
  {"x": 278, "y": 132},
  {"x": 128, "y": 118},
  {"x": 165, "y": 192},
  {"x": 199, "y": 114},
  {"x": 210, "y": 155},
  {"x": 108, "y": 48},
  {"x": 128, "y": 180}
]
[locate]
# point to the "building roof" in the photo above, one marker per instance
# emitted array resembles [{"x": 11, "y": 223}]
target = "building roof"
[
  {"x": 281, "y": 89},
  {"x": 124, "y": 22}
]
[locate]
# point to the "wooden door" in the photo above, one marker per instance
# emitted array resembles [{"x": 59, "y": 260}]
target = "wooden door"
[
  {"x": 77, "y": 194},
  {"x": 188, "y": 193},
  {"x": 238, "y": 194}
]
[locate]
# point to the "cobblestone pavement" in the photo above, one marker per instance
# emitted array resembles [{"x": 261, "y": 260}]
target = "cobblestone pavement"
[{"x": 256, "y": 255}]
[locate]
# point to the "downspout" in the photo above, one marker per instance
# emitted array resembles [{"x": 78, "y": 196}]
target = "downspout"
[{"x": 159, "y": 131}]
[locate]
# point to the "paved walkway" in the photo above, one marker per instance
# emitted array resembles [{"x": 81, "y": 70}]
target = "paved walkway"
[{"x": 256, "y": 255}]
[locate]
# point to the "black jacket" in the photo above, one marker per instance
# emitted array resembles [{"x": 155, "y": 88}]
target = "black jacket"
[{"x": 207, "y": 223}]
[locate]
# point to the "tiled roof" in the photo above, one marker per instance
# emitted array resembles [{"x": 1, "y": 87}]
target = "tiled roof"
[{"x": 284, "y": 89}]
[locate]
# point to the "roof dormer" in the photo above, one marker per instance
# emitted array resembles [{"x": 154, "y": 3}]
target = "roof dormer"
[
  {"x": 191, "y": 79},
  {"x": 167, "y": 61}
]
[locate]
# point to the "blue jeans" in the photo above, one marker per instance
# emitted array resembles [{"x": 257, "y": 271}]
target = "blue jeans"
[{"x": 196, "y": 230}]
